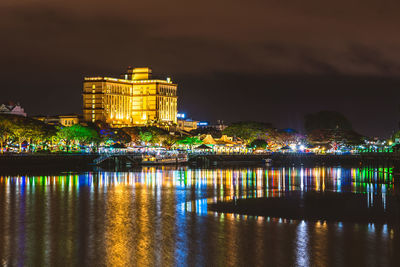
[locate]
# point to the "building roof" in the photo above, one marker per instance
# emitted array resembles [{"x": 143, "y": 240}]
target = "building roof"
[
  {"x": 133, "y": 76},
  {"x": 110, "y": 79},
  {"x": 209, "y": 140},
  {"x": 12, "y": 109},
  {"x": 225, "y": 140},
  {"x": 8, "y": 108},
  {"x": 69, "y": 116}
]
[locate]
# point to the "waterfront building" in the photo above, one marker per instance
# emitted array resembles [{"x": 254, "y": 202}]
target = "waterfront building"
[
  {"x": 133, "y": 100},
  {"x": 69, "y": 120},
  {"x": 64, "y": 120},
  {"x": 224, "y": 145},
  {"x": 12, "y": 109},
  {"x": 218, "y": 126},
  {"x": 185, "y": 124},
  {"x": 203, "y": 124},
  {"x": 209, "y": 140}
]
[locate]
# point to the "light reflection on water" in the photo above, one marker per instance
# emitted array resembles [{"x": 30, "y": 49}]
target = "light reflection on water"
[{"x": 158, "y": 216}]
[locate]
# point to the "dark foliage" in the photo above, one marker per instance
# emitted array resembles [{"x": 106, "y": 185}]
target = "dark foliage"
[{"x": 326, "y": 120}]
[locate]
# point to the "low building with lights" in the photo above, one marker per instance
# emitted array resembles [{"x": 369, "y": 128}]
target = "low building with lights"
[
  {"x": 224, "y": 145},
  {"x": 13, "y": 109},
  {"x": 185, "y": 124},
  {"x": 64, "y": 120},
  {"x": 69, "y": 120},
  {"x": 133, "y": 100}
]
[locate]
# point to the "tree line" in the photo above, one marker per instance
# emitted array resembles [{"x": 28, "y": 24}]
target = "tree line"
[
  {"x": 33, "y": 135},
  {"x": 321, "y": 128}
]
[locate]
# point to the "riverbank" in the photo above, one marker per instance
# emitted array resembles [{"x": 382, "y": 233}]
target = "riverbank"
[
  {"x": 297, "y": 159},
  {"x": 67, "y": 159},
  {"x": 313, "y": 206},
  {"x": 203, "y": 160}
]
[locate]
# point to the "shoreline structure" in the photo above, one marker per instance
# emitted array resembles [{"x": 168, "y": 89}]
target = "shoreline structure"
[{"x": 276, "y": 159}]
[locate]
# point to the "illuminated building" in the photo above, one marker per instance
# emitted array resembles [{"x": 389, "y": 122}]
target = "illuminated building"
[
  {"x": 64, "y": 120},
  {"x": 181, "y": 116},
  {"x": 218, "y": 126},
  {"x": 69, "y": 120},
  {"x": 224, "y": 145},
  {"x": 203, "y": 124},
  {"x": 185, "y": 124},
  {"x": 135, "y": 99}
]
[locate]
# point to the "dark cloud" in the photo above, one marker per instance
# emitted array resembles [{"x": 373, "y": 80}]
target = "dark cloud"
[
  {"x": 373, "y": 57},
  {"x": 271, "y": 50}
]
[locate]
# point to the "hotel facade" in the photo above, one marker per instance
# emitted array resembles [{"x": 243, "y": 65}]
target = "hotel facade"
[{"x": 133, "y": 100}]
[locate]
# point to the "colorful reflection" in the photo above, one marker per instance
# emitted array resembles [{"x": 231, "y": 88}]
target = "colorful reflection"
[
  {"x": 224, "y": 184},
  {"x": 159, "y": 216}
]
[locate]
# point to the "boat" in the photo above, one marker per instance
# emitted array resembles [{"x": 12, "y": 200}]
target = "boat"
[{"x": 164, "y": 159}]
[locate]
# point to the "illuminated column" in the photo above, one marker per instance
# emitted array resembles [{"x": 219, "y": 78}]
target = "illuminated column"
[{"x": 93, "y": 102}]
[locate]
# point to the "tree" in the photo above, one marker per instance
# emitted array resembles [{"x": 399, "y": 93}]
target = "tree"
[
  {"x": 19, "y": 129},
  {"x": 326, "y": 120},
  {"x": 395, "y": 137},
  {"x": 248, "y": 131},
  {"x": 115, "y": 136},
  {"x": 4, "y": 135},
  {"x": 133, "y": 133},
  {"x": 332, "y": 137},
  {"x": 77, "y": 134},
  {"x": 152, "y": 134},
  {"x": 259, "y": 143},
  {"x": 285, "y": 137},
  {"x": 145, "y": 136},
  {"x": 207, "y": 130},
  {"x": 189, "y": 141},
  {"x": 330, "y": 128},
  {"x": 169, "y": 141},
  {"x": 148, "y": 134}
]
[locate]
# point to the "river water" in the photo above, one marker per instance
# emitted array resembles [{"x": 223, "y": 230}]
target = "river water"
[{"x": 159, "y": 217}]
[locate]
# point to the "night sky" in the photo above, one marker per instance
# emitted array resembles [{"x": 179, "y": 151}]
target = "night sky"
[{"x": 271, "y": 61}]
